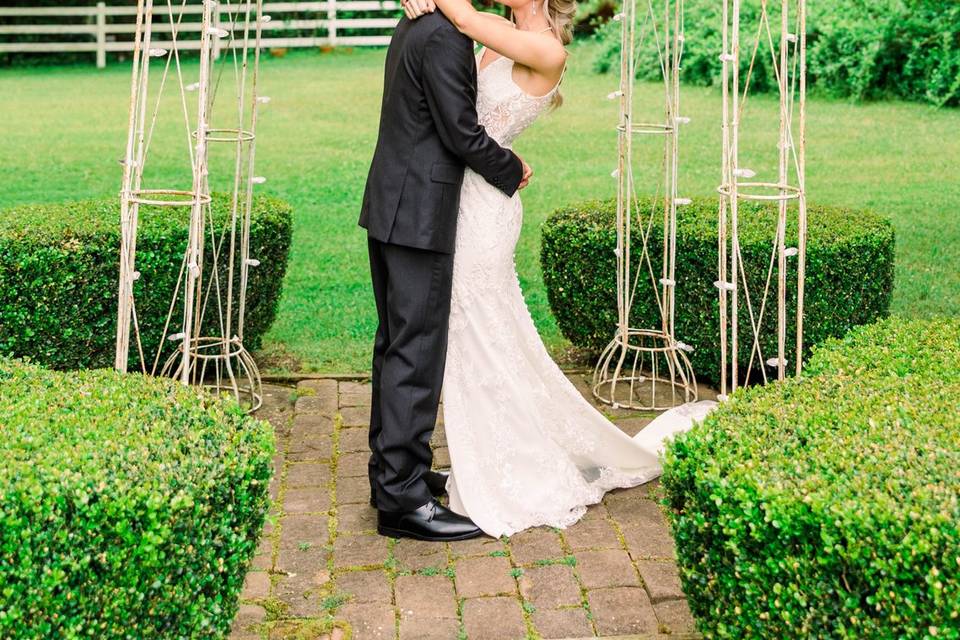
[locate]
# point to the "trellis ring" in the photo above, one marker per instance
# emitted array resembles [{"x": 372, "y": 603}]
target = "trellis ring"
[
  {"x": 168, "y": 197},
  {"x": 228, "y": 135},
  {"x": 756, "y": 191}
]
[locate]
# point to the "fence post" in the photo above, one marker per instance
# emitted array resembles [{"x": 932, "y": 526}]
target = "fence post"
[
  {"x": 332, "y": 22},
  {"x": 216, "y": 25},
  {"x": 101, "y": 35}
]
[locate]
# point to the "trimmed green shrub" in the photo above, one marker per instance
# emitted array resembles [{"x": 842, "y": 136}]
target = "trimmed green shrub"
[
  {"x": 59, "y": 266},
  {"x": 827, "y": 506},
  {"x": 860, "y": 49},
  {"x": 850, "y": 270},
  {"x": 130, "y": 506}
]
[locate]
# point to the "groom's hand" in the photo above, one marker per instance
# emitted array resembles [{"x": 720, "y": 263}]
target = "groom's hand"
[
  {"x": 527, "y": 174},
  {"x": 416, "y": 8}
]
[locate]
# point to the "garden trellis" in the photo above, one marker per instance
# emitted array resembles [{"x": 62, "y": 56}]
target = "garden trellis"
[
  {"x": 207, "y": 306},
  {"x": 787, "y": 192},
  {"x": 647, "y": 368}
]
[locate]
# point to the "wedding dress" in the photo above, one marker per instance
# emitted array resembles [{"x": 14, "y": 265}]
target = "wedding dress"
[{"x": 526, "y": 448}]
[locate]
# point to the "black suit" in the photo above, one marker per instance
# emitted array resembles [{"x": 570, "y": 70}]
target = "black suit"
[{"x": 429, "y": 132}]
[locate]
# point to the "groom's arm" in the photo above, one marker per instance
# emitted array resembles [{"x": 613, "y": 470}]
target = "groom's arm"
[{"x": 450, "y": 85}]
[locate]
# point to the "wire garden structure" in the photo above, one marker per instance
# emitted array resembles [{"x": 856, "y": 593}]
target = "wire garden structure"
[
  {"x": 204, "y": 323},
  {"x": 784, "y": 35},
  {"x": 647, "y": 368}
]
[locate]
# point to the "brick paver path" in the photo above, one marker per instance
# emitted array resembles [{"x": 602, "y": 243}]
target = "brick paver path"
[{"x": 323, "y": 572}]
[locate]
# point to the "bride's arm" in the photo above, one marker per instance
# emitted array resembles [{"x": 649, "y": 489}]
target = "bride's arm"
[{"x": 538, "y": 51}]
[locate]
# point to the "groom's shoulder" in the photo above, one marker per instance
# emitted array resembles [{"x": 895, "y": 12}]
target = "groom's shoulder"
[{"x": 435, "y": 26}]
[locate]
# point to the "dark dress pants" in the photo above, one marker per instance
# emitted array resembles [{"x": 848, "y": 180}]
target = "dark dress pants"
[{"x": 412, "y": 291}]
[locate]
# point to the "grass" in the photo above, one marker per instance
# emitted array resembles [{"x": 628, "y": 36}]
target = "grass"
[{"x": 63, "y": 129}]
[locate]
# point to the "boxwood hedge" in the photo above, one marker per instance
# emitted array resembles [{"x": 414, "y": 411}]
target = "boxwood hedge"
[
  {"x": 129, "y": 505},
  {"x": 850, "y": 270},
  {"x": 59, "y": 266},
  {"x": 829, "y": 506}
]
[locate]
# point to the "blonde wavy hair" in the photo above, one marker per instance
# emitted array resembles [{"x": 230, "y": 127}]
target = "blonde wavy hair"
[{"x": 560, "y": 14}]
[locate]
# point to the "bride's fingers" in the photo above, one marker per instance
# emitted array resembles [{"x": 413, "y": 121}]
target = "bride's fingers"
[
  {"x": 431, "y": 6},
  {"x": 420, "y": 6}
]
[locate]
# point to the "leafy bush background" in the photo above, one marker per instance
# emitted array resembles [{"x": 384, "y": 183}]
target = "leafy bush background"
[
  {"x": 859, "y": 49},
  {"x": 130, "y": 506},
  {"x": 850, "y": 272},
  {"x": 826, "y": 506},
  {"x": 59, "y": 266}
]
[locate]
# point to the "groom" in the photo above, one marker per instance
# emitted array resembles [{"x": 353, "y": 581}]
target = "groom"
[{"x": 429, "y": 132}]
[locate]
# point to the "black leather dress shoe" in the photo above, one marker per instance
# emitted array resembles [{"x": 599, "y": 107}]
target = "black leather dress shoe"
[
  {"x": 432, "y": 522},
  {"x": 436, "y": 482}
]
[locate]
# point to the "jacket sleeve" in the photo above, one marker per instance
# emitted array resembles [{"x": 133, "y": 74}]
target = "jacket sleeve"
[{"x": 450, "y": 85}]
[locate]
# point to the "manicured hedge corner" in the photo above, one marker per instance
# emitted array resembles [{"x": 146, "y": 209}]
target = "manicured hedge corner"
[
  {"x": 59, "y": 266},
  {"x": 828, "y": 506},
  {"x": 130, "y": 506},
  {"x": 850, "y": 270}
]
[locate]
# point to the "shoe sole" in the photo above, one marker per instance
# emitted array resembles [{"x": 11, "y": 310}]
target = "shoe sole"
[{"x": 400, "y": 533}]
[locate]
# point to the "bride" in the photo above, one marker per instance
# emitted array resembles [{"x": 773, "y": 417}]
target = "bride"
[{"x": 526, "y": 448}]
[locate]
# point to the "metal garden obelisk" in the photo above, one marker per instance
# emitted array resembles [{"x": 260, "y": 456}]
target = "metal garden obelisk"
[
  {"x": 204, "y": 322},
  {"x": 784, "y": 196},
  {"x": 647, "y": 368}
]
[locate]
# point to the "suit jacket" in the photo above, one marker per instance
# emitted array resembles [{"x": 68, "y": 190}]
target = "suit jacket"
[{"x": 429, "y": 132}]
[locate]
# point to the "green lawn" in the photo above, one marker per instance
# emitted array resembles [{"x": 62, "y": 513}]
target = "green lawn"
[{"x": 63, "y": 129}]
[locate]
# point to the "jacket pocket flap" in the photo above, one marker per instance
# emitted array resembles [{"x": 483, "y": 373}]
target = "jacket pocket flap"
[{"x": 448, "y": 173}]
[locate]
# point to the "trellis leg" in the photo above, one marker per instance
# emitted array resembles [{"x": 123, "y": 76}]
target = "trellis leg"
[
  {"x": 725, "y": 179},
  {"x": 734, "y": 163},
  {"x": 628, "y": 22},
  {"x": 195, "y": 236},
  {"x": 802, "y": 180},
  {"x": 131, "y": 169},
  {"x": 669, "y": 148},
  {"x": 671, "y": 275},
  {"x": 227, "y": 342},
  {"x": 245, "y": 260},
  {"x": 782, "y": 205}
]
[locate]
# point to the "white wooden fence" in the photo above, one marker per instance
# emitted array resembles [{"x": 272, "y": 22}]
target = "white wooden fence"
[{"x": 111, "y": 28}]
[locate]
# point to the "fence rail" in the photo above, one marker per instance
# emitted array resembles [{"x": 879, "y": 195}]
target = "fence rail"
[{"x": 108, "y": 32}]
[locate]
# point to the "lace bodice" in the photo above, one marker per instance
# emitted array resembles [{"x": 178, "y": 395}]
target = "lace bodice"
[{"x": 505, "y": 109}]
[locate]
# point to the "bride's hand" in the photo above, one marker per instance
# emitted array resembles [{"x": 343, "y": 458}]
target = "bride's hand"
[{"x": 416, "y": 8}]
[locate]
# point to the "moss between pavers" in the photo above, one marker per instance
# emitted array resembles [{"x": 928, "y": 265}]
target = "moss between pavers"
[
  {"x": 526, "y": 606},
  {"x": 306, "y": 629},
  {"x": 584, "y": 601}
]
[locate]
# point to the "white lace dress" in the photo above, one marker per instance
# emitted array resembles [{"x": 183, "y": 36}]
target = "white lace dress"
[{"x": 526, "y": 448}]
